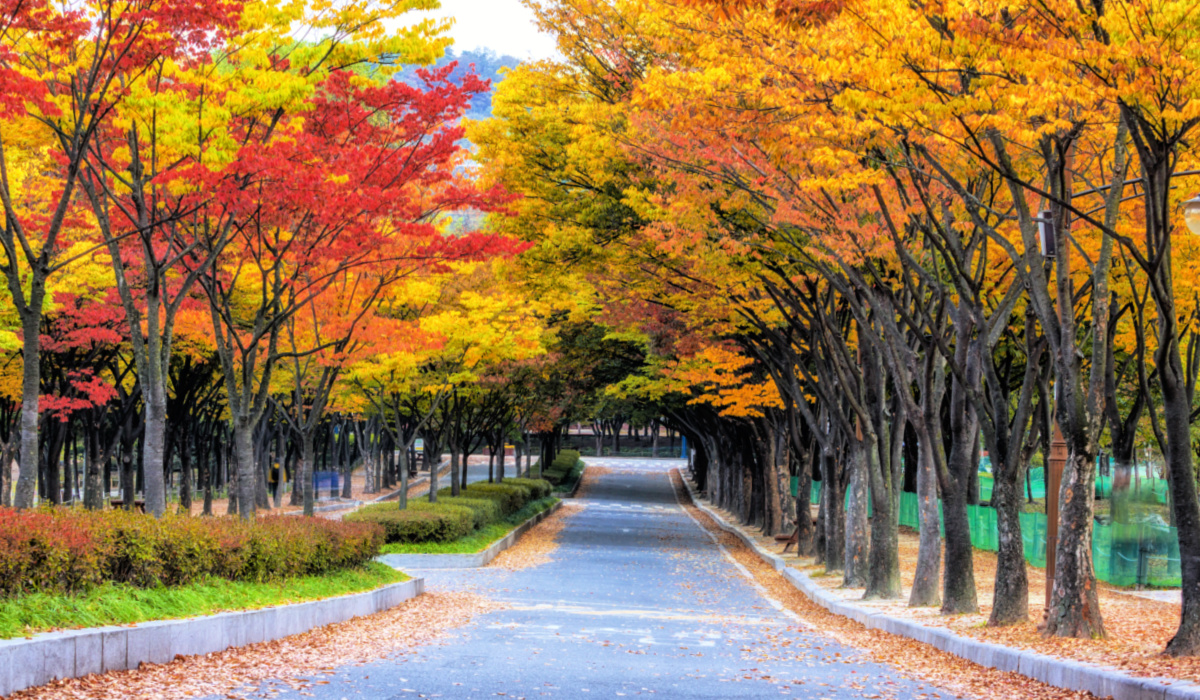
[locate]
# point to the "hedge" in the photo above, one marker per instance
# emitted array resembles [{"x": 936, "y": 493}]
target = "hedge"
[
  {"x": 485, "y": 510},
  {"x": 68, "y": 550},
  {"x": 511, "y": 497},
  {"x": 562, "y": 466},
  {"x": 538, "y": 488},
  {"x": 422, "y": 521}
]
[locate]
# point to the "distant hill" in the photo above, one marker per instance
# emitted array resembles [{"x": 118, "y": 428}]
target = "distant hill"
[{"x": 487, "y": 65}]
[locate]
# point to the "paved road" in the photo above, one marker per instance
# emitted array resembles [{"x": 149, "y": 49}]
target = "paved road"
[{"x": 638, "y": 601}]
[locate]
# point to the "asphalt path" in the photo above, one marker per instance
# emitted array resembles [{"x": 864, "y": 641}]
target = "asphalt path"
[{"x": 639, "y": 600}]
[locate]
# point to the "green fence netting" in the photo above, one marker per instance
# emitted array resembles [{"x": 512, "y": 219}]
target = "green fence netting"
[{"x": 1145, "y": 553}]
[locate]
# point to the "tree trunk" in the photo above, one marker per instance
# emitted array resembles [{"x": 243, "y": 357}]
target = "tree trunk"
[
  {"x": 833, "y": 502},
  {"x": 402, "y": 499},
  {"x": 857, "y": 524},
  {"x": 1010, "y": 604},
  {"x": 929, "y": 549},
  {"x": 1074, "y": 601},
  {"x": 154, "y": 441},
  {"x": 883, "y": 574},
  {"x": 247, "y": 467},
  {"x": 958, "y": 578},
  {"x": 185, "y": 475},
  {"x": 31, "y": 389}
]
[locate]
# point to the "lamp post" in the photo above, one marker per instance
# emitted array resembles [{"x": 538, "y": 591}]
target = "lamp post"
[
  {"x": 1058, "y": 446},
  {"x": 1191, "y": 214}
]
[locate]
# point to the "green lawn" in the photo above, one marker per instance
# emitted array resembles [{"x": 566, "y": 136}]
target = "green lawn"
[
  {"x": 113, "y": 604},
  {"x": 477, "y": 541}
]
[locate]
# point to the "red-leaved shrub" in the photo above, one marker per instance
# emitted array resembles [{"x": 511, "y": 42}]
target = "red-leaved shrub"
[{"x": 66, "y": 550}]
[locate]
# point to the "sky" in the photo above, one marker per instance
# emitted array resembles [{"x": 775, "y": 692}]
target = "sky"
[{"x": 504, "y": 26}]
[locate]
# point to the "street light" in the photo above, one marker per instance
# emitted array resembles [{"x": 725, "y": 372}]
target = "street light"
[
  {"x": 1045, "y": 222},
  {"x": 1191, "y": 214}
]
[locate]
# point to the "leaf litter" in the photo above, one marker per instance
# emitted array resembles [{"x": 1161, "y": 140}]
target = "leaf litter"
[
  {"x": 298, "y": 662},
  {"x": 915, "y": 660}
]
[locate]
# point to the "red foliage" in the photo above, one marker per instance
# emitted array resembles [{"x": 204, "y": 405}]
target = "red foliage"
[{"x": 65, "y": 550}]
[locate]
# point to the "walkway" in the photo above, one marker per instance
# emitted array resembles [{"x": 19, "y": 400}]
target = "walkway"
[{"x": 639, "y": 601}]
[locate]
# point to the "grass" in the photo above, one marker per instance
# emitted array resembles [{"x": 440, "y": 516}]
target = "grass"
[
  {"x": 113, "y": 604},
  {"x": 476, "y": 541}
]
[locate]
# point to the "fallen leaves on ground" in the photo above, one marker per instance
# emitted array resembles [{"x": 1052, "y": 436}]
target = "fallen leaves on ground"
[
  {"x": 912, "y": 658},
  {"x": 297, "y": 662},
  {"x": 1138, "y": 628},
  {"x": 535, "y": 546}
]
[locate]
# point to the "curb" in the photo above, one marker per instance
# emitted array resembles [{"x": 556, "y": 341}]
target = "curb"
[
  {"x": 465, "y": 561},
  {"x": 25, "y": 663},
  {"x": 1060, "y": 673}
]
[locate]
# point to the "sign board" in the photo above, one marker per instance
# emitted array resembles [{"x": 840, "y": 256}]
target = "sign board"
[{"x": 419, "y": 445}]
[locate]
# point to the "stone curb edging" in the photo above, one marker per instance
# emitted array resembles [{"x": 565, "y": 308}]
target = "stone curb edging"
[
  {"x": 1060, "y": 673},
  {"x": 25, "y": 663},
  {"x": 466, "y": 561}
]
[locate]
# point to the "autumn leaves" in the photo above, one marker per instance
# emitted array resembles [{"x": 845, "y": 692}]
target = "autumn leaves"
[
  {"x": 251, "y": 189},
  {"x": 838, "y": 207}
]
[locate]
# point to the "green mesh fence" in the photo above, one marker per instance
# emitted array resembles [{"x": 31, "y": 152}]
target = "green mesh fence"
[{"x": 1145, "y": 553}]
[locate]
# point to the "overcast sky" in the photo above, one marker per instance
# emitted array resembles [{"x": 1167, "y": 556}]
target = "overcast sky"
[{"x": 504, "y": 26}]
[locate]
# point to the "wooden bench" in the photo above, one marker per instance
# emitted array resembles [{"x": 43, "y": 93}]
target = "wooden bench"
[{"x": 792, "y": 540}]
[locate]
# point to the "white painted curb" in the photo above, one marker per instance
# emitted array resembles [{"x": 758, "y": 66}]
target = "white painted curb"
[
  {"x": 406, "y": 562},
  {"x": 25, "y": 663},
  {"x": 1060, "y": 673}
]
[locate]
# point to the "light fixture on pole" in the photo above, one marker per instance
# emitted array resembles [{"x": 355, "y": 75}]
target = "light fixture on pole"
[
  {"x": 1191, "y": 214},
  {"x": 1045, "y": 222}
]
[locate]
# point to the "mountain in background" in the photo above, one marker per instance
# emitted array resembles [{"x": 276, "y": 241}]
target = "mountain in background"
[{"x": 487, "y": 66}]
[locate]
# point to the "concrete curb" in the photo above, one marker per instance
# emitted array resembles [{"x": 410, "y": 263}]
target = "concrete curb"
[
  {"x": 25, "y": 663},
  {"x": 1060, "y": 673},
  {"x": 465, "y": 561}
]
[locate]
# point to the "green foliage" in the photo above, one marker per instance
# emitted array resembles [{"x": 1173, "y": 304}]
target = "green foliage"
[
  {"x": 511, "y": 497},
  {"x": 485, "y": 510},
  {"x": 121, "y": 604},
  {"x": 476, "y": 541},
  {"x": 420, "y": 522},
  {"x": 562, "y": 467},
  {"x": 66, "y": 550},
  {"x": 538, "y": 488}
]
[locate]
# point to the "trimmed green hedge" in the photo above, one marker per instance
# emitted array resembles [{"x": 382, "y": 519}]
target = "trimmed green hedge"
[
  {"x": 511, "y": 497},
  {"x": 562, "y": 466},
  {"x": 477, "y": 507},
  {"x": 68, "y": 550},
  {"x": 538, "y": 488},
  {"x": 422, "y": 521},
  {"x": 486, "y": 510}
]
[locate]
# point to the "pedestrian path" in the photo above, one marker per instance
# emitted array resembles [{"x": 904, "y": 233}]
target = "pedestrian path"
[{"x": 638, "y": 600}]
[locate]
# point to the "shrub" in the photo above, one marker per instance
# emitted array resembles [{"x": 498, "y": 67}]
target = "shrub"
[
  {"x": 511, "y": 497},
  {"x": 422, "y": 521},
  {"x": 538, "y": 488},
  {"x": 486, "y": 510},
  {"x": 562, "y": 466},
  {"x": 65, "y": 550}
]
